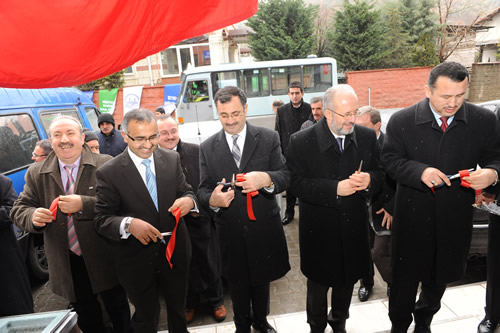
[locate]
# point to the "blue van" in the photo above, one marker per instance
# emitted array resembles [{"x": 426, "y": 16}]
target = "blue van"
[{"x": 25, "y": 117}]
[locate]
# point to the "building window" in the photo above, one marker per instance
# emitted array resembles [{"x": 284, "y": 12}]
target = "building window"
[{"x": 176, "y": 59}]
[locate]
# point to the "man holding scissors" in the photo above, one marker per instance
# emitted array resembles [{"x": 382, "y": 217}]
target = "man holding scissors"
[
  {"x": 425, "y": 145},
  {"x": 334, "y": 167}
]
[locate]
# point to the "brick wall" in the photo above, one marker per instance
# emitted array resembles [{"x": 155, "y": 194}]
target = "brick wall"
[
  {"x": 485, "y": 82},
  {"x": 389, "y": 88},
  {"x": 152, "y": 97}
]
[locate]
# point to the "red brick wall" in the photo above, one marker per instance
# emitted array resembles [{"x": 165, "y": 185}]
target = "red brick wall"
[
  {"x": 389, "y": 88},
  {"x": 151, "y": 98}
]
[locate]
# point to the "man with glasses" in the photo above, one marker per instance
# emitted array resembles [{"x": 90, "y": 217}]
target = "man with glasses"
[
  {"x": 41, "y": 151},
  {"x": 138, "y": 194},
  {"x": 334, "y": 167}
]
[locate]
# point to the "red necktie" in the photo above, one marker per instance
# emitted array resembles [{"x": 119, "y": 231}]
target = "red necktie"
[{"x": 444, "y": 123}]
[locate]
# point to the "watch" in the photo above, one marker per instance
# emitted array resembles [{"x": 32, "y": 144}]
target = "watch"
[{"x": 126, "y": 226}]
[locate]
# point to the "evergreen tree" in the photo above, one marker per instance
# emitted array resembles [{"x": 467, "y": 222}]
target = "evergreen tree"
[
  {"x": 424, "y": 53},
  {"x": 395, "y": 41},
  {"x": 418, "y": 18},
  {"x": 357, "y": 37},
  {"x": 109, "y": 82},
  {"x": 283, "y": 29}
]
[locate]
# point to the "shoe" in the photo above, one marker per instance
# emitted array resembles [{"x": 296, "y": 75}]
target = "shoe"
[
  {"x": 189, "y": 315},
  {"x": 422, "y": 328},
  {"x": 287, "y": 220},
  {"x": 388, "y": 290},
  {"x": 264, "y": 327},
  {"x": 486, "y": 326},
  {"x": 364, "y": 293},
  {"x": 220, "y": 313}
]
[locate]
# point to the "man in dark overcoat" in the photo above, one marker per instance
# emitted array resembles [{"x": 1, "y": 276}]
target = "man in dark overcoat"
[
  {"x": 432, "y": 223},
  {"x": 334, "y": 167},
  {"x": 138, "y": 193},
  {"x": 204, "y": 271},
  {"x": 14, "y": 284},
  {"x": 253, "y": 251},
  {"x": 75, "y": 275}
]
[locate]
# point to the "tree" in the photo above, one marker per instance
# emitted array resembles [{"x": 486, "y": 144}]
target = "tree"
[
  {"x": 283, "y": 29},
  {"x": 395, "y": 41},
  {"x": 321, "y": 42},
  {"x": 418, "y": 18},
  {"x": 424, "y": 53},
  {"x": 357, "y": 37},
  {"x": 109, "y": 82}
]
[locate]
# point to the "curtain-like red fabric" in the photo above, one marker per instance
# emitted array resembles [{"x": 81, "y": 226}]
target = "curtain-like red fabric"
[{"x": 55, "y": 43}]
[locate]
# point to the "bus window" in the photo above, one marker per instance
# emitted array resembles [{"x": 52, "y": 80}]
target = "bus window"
[
  {"x": 17, "y": 141},
  {"x": 317, "y": 78},
  {"x": 256, "y": 82},
  {"x": 224, "y": 79},
  {"x": 48, "y": 116},
  {"x": 281, "y": 77},
  {"x": 92, "y": 116},
  {"x": 196, "y": 91}
]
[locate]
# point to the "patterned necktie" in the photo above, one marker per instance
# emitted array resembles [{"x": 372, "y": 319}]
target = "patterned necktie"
[
  {"x": 236, "y": 150},
  {"x": 444, "y": 123},
  {"x": 151, "y": 182},
  {"x": 74, "y": 245},
  {"x": 339, "y": 140}
]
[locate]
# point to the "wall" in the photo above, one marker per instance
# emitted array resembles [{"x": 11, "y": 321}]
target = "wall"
[
  {"x": 485, "y": 82},
  {"x": 389, "y": 88}
]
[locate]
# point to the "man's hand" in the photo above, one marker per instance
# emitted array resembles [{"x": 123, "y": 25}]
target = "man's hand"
[
  {"x": 433, "y": 177},
  {"x": 360, "y": 180},
  {"x": 219, "y": 198},
  {"x": 144, "y": 231},
  {"x": 387, "y": 220},
  {"x": 69, "y": 204},
  {"x": 345, "y": 188},
  {"x": 484, "y": 197},
  {"x": 41, "y": 217},
  {"x": 184, "y": 203},
  {"x": 254, "y": 181},
  {"x": 481, "y": 178}
]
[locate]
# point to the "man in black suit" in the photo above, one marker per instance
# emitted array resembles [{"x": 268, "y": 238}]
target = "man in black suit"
[
  {"x": 251, "y": 237},
  {"x": 334, "y": 168},
  {"x": 431, "y": 231},
  {"x": 204, "y": 273},
  {"x": 138, "y": 193},
  {"x": 289, "y": 119}
]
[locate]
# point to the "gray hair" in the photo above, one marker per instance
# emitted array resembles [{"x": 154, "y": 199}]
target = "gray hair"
[
  {"x": 63, "y": 117},
  {"x": 329, "y": 98},
  {"x": 45, "y": 145},
  {"x": 316, "y": 99},
  {"x": 139, "y": 115},
  {"x": 373, "y": 112}
]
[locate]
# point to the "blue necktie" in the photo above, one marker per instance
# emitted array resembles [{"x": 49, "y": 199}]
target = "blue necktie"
[
  {"x": 151, "y": 182},
  {"x": 339, "y": 140}
]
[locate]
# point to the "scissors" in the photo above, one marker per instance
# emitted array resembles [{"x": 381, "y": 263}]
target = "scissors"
[
  {"x": 230, "y": 184},
  {"x": 451, "y": 177},
  {"x": 165, "y": 234}
]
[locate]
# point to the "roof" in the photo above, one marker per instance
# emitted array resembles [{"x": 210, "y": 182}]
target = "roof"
[
  {"x": 489, "y": 16},
  {"x": 11, "y": 97}
]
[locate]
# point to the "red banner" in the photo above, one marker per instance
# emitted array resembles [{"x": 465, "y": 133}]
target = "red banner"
[{"x": 61, "y": 43}]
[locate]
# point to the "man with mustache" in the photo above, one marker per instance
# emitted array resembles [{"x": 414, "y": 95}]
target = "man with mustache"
[
  {"x": 79, "y": 266},
  {"x": 316, "y": 112}
]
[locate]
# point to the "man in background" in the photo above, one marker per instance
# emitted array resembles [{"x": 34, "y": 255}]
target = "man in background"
[
  {"x": 317, "y": 112},
  {"x": 110, "y": 140},
  {"x": 91, "y": 140},
  {"x": 42, "y": 150}
]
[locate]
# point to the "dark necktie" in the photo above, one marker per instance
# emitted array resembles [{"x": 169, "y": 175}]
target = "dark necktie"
[
  {"x": 339, "y": 140},
  {"x": 73, "y": 243},
  {"x": 444, "y": 123},
  {"x": 236, "y": 150}
]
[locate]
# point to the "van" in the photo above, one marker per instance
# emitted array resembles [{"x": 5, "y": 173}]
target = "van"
[{"x": 25, "y": 117}]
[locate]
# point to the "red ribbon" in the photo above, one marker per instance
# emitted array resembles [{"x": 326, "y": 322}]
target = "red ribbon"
[
  {"x": 171, "y": 243},
  {"x": 464, "y": 183},
  {"x": 241, "y": 178},
  {"x": 53, "y": 208}
]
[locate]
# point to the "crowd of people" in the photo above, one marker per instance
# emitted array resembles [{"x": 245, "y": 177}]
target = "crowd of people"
[{"x": 154, "y": 216}]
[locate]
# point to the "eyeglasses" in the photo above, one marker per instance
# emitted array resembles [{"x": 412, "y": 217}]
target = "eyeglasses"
[
  {"x": 348, "y": 114},
  {"x": 142, "y": 139},
  {"x": 37, "y": 156},
  {"x": 234, "y": 115}
]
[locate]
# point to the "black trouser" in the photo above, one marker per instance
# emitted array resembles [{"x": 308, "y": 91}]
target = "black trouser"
[
  {"x": 290, "y": 204},
  {"x": 493, "y": 283},
  {"x": 87, "y": 306},
  {"x": 367, "y": 281},
  {"x": 250, "y": 304},
  {"x": 381, "y": 254},
  {"x": 317, "y": 305},
  {"x": 402, "y": 303},
  {"x": 214, "y": 294}
]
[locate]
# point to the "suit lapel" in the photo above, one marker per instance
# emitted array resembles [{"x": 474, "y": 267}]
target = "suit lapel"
[
  {"x": 222, "y": 151},
  {"x": 251, "y": 141},
  {"x": 134, "y": 180}
]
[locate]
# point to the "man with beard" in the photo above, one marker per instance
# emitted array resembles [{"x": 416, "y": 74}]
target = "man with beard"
[
  {"x": 79, "y": 267},
  {"x": 317, "y": 112},
  {"x": 334, "y": 168},
  {"x": 289, "y": 118},
  {"x": 204, "y": 273},
  {"x": 431, "y": 232},
  {"x": 110, "y": 140}
]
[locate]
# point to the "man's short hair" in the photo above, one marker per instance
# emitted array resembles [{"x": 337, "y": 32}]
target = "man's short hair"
[
  {"x": 139, "y": 115},
  {"x": 316, "y": 99},
  {"x": 452, "y": 70},
  {"x": 373, "y": 112},
  {"x": 165, "y": 117},
  {"x": 278, "y": 103},
  {"x": 329, "y": 97},
  {"x": 45, "y": 145},
  {"x": 160, "y": 110},
  {"x": 225, "y": 95},
  {"x": 89, "y": 135},
  {"x": 58, "y": 118},
  {"x": 295, "y": 84}
]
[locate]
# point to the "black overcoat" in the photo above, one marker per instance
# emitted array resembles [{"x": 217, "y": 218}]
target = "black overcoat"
[
  {"x": 333, "y": 231},
  {"x": 432, "y": 231},
  {"x": 259, "y": 246}
]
